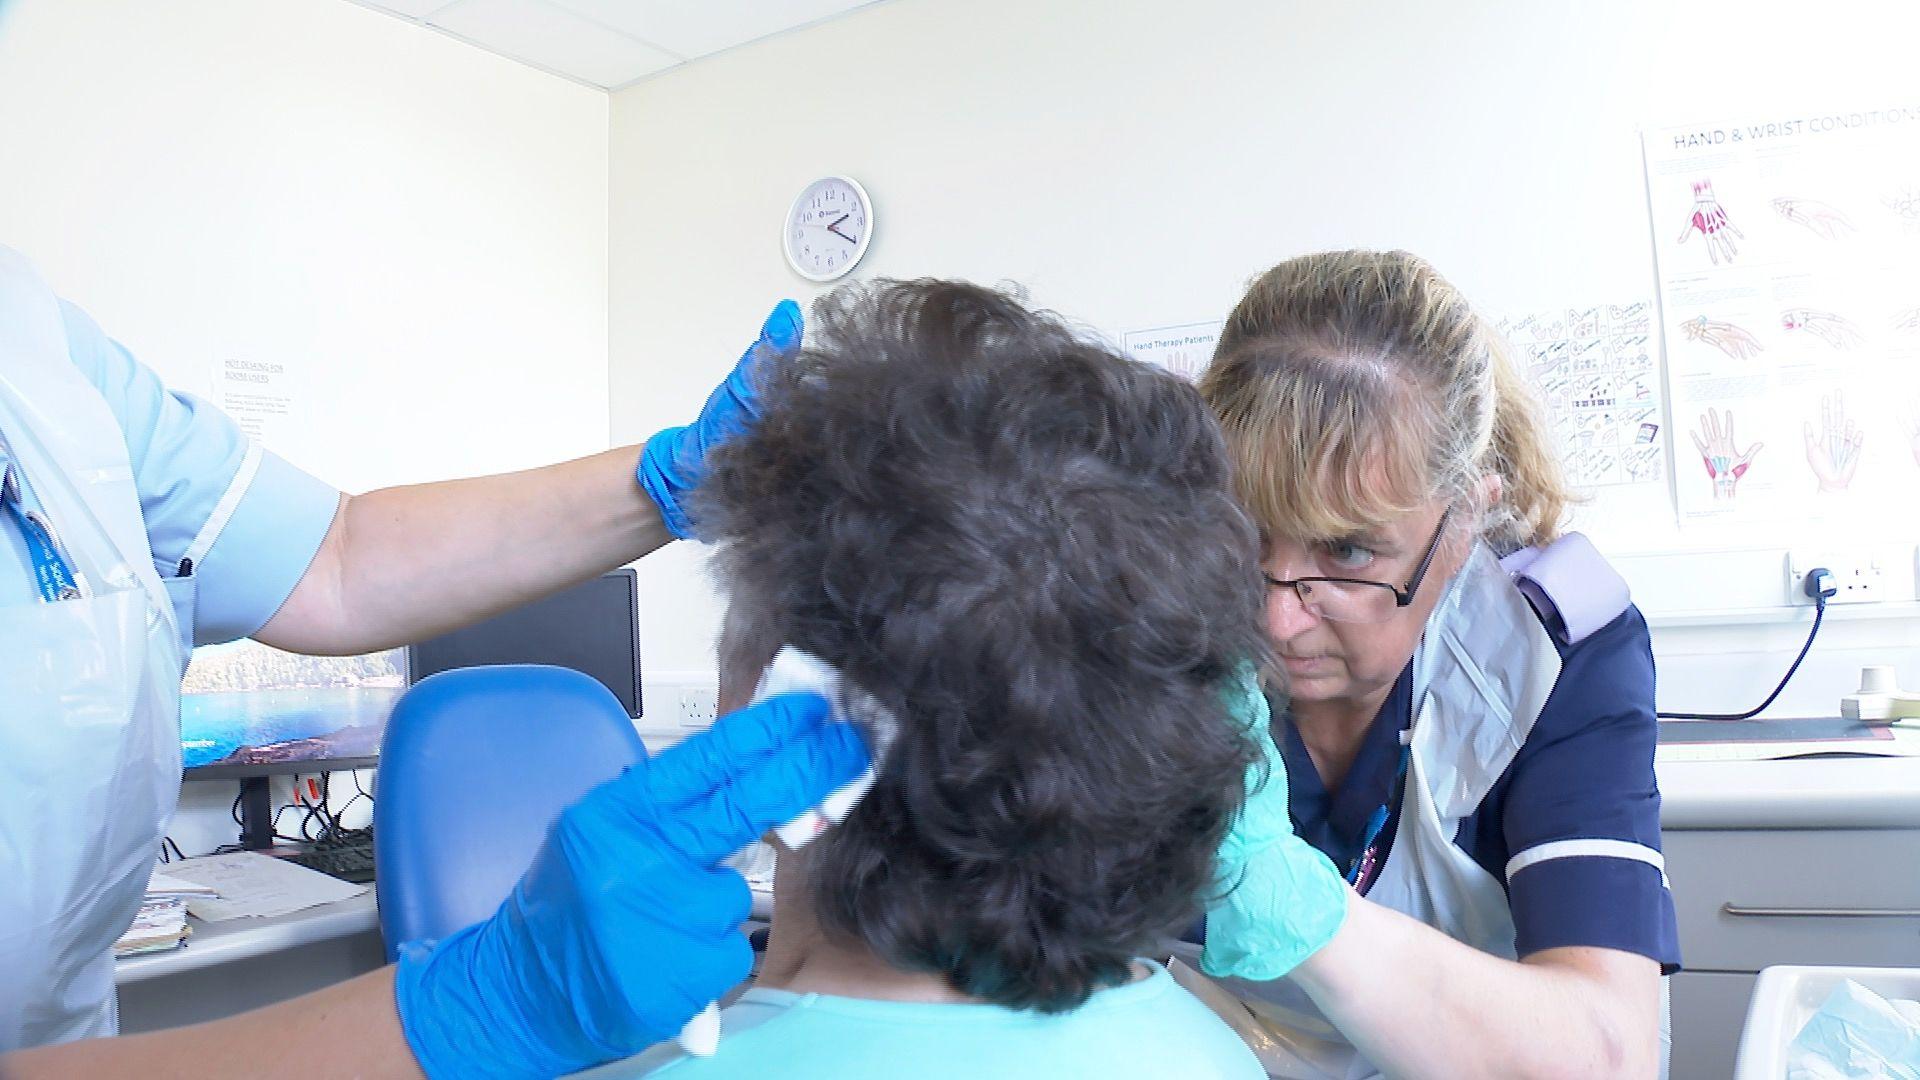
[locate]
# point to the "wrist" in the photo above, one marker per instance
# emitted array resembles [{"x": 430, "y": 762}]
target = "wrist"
[
  {"x": 459, "y": 1018},
  {"x": 659, "y": 477},
  {"x": 1328, "y": 970}
]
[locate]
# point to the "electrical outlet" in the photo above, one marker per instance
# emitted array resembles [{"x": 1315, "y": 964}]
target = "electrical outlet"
[
  {"x": 698, "y": 705},
  {"x": 1859, "y": 575}
]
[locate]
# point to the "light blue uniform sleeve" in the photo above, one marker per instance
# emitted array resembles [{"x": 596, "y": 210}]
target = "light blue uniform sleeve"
[{"x": 254, "y": 520}]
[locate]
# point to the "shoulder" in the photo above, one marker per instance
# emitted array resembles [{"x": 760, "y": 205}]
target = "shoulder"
[
  {"x": 755, "y": 1010},
  {"x": 1607, "y": 676},
  {"x": 99, "y": 360}
]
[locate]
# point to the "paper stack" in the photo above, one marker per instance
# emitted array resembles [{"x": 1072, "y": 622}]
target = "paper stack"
[{"x": 162, "y": 921}]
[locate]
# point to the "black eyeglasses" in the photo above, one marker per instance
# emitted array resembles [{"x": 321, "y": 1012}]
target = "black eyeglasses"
[{"x": 1359, "y": 599}]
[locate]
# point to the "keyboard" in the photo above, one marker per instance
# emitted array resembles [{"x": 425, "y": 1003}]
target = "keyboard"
[{"x": 351, "y": 860}]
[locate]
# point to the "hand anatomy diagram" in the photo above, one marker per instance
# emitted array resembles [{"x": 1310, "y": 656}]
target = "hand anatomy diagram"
[
  {"x": 1725, "y": 336},
  {"x": 1825, "y": 325},
  {"x": 1725, "y": 466},
  {"x": 1907, "y": 322},
  {"x": 1816, "y": 217},
  {"x": 1709, "y": 219},
  {"x": 1833, "y": 452}
]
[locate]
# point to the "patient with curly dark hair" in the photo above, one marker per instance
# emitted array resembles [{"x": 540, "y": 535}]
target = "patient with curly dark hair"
[{"x": 1025, "y": 548}]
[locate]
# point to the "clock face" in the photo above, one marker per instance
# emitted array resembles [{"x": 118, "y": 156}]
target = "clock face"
[{"x": 828, "y": 228}]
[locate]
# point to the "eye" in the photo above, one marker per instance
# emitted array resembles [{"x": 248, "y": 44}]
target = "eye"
[{"x": 1348, "y": 555}]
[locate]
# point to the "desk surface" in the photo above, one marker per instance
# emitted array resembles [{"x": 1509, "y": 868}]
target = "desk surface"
[
  {"x": 1799, "y": 793},
  {"x": 241, "y": 939}
]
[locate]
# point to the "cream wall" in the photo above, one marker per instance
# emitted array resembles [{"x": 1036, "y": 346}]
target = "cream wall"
[
  {"x": 1134, "y": 163},
  {"x": 415, "y": 228}
]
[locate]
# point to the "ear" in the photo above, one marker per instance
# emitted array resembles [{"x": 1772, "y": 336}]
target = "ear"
[{"x": 1490, "y": 490}]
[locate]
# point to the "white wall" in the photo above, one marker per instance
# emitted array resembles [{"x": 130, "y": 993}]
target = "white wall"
[
  {"x": 1134, "y": 163},
  {"x": 416, "y": 228}
]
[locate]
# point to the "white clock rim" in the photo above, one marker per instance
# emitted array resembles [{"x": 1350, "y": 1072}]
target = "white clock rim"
[{"x": 793, "y": 209}]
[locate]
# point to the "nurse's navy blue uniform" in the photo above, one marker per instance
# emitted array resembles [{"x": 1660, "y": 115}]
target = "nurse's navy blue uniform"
[{"x": 1584, "y": 774}]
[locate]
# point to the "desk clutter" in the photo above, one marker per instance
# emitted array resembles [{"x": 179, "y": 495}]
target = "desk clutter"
[
  {"x": 216, "y": 888},
  {"x": 162, "y": 921}
]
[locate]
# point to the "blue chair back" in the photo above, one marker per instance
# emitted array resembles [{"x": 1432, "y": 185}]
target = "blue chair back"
[{"x": 475, "y": 766}]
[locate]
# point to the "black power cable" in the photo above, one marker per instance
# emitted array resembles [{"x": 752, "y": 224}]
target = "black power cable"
[{"x": 1818, "y": 584}]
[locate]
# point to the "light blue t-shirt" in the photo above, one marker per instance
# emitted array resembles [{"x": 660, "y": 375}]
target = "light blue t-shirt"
[
  {"x": 1150, "y": 1028},
  {"x": 259, "y": 520}
]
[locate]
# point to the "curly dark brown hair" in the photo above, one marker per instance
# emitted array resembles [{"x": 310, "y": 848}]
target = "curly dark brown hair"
[{"x": 1028, "y": 548}]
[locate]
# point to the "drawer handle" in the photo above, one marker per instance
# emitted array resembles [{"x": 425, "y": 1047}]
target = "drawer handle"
[{"x": 1742, "y": 911}]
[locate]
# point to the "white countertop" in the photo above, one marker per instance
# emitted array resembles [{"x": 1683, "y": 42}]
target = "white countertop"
[{"x": 1799, "y": 793}]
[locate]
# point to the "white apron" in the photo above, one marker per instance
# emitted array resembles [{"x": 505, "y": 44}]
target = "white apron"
[
  {"x": 89, "y": 693},
  {"x": 1481, "y": 674}
]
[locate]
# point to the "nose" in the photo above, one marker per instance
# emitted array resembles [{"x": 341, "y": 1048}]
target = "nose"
[{"x": 1287, "y": 616}]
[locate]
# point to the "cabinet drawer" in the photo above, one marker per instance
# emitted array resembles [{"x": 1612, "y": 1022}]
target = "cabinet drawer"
[
  {"x": 1750, "y": 898},
  {"x": 1709, "y": 1012}
]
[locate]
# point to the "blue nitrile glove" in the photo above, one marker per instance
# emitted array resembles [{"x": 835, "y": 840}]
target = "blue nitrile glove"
[
  {"x": 626, "y": 925},
  {"x": 1287, "y": 899},
  {"x": 675, "y": 460}
]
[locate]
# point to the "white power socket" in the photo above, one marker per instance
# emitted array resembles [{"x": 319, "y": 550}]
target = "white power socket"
[
  {"x": 698, "y": 706},
  {"x": 1859, "y": 575}
]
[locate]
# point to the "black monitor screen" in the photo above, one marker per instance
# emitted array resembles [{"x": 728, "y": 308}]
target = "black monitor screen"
[
  {"x": 247, "y": 709},
  {"x": 593, "y": 628}
]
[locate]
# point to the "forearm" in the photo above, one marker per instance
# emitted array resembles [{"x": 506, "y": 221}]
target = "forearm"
[
  {"x": 347, "y": 1030},
  {"x": 1420, "y": 1004},
  {"x": 403, "y": 564}
]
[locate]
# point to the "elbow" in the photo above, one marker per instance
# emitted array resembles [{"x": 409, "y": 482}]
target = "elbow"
[{"x": 1624, "y": 1048}]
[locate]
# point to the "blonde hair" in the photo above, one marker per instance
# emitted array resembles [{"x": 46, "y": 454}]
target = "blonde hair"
[{"x": 1355, "y": 385}]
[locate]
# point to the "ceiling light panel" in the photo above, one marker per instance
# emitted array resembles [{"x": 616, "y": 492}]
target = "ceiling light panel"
[
  {"x": 551, "y": 37},
  {"x": 691, "y": 28}
]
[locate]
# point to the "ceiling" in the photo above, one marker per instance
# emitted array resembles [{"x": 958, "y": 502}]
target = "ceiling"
[{"x": 610, "y": 43}]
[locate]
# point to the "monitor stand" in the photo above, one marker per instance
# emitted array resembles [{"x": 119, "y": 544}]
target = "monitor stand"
[{"x": 256, "y": 813}]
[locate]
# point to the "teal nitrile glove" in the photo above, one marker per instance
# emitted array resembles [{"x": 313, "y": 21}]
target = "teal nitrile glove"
[
  {"x": 675, "y": 460},
  {"x": 1287, "y": 900},
  {"x": 626, "y": 925}
]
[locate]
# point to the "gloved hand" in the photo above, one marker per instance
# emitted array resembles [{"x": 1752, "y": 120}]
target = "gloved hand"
[
  {"x": 675, "y": 460},
  {"x": 1288, "y": 900},
  {"x": 626, "y": 925}
]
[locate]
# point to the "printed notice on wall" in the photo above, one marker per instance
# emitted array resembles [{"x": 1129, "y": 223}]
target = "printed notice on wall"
[
  {"x": 1183, "y": 350},
  {"x": 1786, "y": 247},
  {"x": 260, "y": 395},
  {"x": 1596, "y": 369}
]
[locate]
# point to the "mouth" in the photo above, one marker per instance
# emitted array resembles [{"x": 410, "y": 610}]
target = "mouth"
[{"x": 1305, "y": 664}]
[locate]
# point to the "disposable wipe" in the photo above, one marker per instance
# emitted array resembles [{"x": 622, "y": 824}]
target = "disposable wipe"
[{"x": 793, "y": 671}]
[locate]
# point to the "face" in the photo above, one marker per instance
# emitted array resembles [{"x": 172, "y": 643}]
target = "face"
[{"x": 1356, "y": 664}]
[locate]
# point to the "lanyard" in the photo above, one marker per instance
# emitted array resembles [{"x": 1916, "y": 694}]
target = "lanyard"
[
  {"x": 51, "y": 570},
  {"x": 1360, "y": 874}
]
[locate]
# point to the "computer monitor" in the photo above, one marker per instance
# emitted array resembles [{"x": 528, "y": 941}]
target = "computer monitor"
[
  {"x": 593, "y": 628},
  {"x": 249, "y": 710}
]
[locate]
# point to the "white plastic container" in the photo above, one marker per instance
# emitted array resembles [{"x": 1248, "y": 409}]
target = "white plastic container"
[{"x": 1785, "y": 997}]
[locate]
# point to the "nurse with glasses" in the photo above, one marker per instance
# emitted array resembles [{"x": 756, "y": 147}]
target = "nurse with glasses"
[{"x": 1450, "y": 865}]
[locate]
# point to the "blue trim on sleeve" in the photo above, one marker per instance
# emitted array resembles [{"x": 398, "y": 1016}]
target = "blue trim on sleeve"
[
  {"x": 1596, "y": 903},
  {"x": 263, "y": 552}
]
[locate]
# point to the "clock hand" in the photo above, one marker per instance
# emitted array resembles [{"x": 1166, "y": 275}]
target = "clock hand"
[{"x": 840, "y": 234}]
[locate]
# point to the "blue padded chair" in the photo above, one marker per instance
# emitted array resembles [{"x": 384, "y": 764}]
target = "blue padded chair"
[{"x": 475, "y": 765}]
